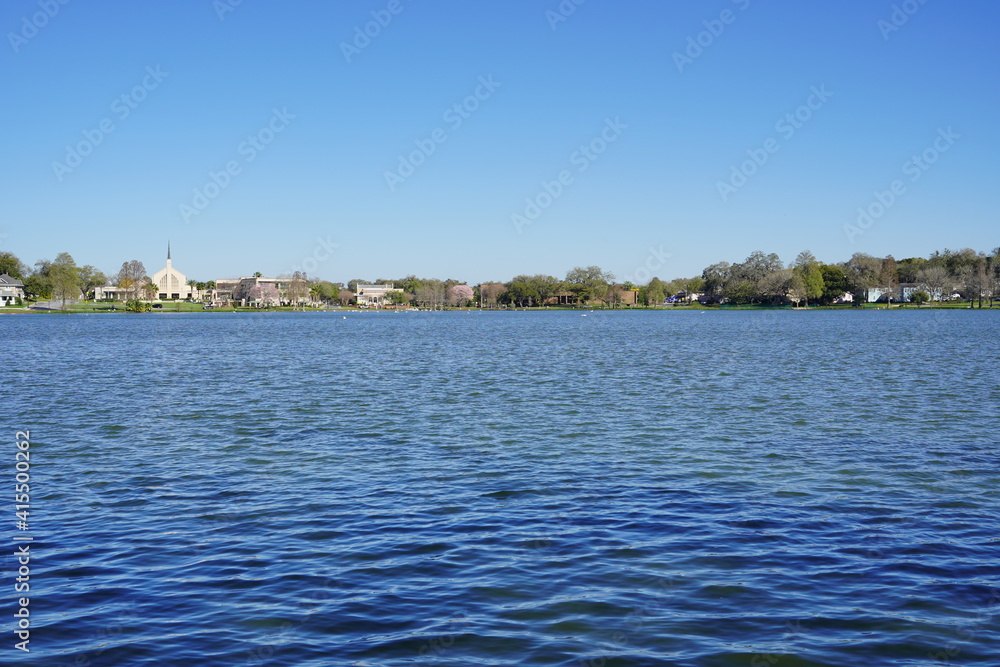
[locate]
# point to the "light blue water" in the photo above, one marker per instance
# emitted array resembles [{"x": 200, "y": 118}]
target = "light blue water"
[{"x": 653, "y": 488}]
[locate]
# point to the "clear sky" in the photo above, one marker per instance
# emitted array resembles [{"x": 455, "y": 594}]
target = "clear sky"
[{"x": 117, "y": 113}]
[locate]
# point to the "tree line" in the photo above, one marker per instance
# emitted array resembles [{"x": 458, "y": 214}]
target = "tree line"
[{"x": 760, "y": 279}]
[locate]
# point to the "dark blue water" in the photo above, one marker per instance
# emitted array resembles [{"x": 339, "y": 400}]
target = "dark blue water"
[{"x": 669, "y": 488}]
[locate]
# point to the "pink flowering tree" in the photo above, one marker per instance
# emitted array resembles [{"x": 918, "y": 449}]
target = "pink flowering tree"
[
  {"x": 459, "y": 295},
  {"x": 264, "y": 294}
]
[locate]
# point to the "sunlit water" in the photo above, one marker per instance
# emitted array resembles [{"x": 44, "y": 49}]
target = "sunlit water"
[{"x": 668, "y": 488}]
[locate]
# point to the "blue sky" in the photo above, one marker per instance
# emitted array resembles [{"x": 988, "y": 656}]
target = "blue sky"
[{"x": 111, "y": 179}]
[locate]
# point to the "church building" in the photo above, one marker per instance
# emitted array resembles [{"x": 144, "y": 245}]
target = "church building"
[{"x": 171, "y": 284}]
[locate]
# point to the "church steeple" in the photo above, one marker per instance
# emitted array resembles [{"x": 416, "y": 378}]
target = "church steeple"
[{"x": 168, "y": 250}]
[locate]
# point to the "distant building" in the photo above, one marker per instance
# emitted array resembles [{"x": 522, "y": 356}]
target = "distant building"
[
  {"x": 373, "y": 295},
  {"x": 171, "y": 283},
  {"x": 11, "y": 289}
]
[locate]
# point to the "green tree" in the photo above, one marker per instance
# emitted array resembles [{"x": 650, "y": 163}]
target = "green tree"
[
  {"x": 807, "y": 267},
  {"x": 920, "y": 297},
  {"x": 397, "y": 298},
  {"x": 653, "y": 293},
  {"x": 835, "y": 283},
  {"x": 90, "y": 279},
  {"x": 588, "y": 283},
  {"x": 64, "y": 276},
  {"x": 12, "y": 266}
]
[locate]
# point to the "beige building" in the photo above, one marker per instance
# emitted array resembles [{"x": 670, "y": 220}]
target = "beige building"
[{"x": 373, "y": 296}]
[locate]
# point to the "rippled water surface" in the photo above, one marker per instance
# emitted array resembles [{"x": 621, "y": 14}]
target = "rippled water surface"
[{"x": 652, "y": 488}]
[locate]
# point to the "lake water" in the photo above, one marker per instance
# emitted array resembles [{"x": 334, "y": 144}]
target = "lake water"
[{"x": 652, "y": 488}]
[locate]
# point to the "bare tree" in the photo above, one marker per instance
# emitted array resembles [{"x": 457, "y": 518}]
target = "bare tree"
[
  {"x": 935, "y": 281},
  {"x": 976, "y": 282},
  {"x": 131, "y": 278},
  {"x": 296, "y": 288}
]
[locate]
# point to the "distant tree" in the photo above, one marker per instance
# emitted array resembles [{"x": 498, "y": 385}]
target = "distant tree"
[
  {"x": 345, "y": 296},
  {"x": 975, "y": 281},
  {"x": 459, "y": 295},
  {"x": 399, "y": 297},
  {"x": 325, "y": 291},
  {"x": 919, "y": 297},
  {"x": 835, "y": 283},
  {"x": 130, "y": 278},
  {"x": 803, "y": 258},
  {"x": 64, "y": 276},
  {"x": 90, "y": 279},
  {"x": 431, "y": 294},
  {"x": 587, "y": 283},
  {"x": 909, "y": 267},
  {"x": 150, "y": 290},
  {"x": 353, "y": 284},
  {"x": 888, "y": 279},
  {"x": 808, "y": 270},
  {"x": 296, "y": 288},
  {"x": 797, "y": 292},
  {"x": 936, "y": 281},
  {"x": 12, "y": 266},
  {"x": 777, "y": 286},
  {"x": 653, "y": 293},
  {"x": 258, "y": 274},
  {"x": 994, "y": 276},
  {"x": 489, "y": 293},
  {"x": 863, "y": 272},
  {"x": 615, "y": 295},
  {"x": 692, "y": 286},
  {"x": 520, "y": 293},
  {"x": 715, "y": 280}
]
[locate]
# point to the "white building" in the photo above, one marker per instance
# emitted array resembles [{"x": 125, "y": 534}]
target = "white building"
[
  {"x": 172, "y": 284},
  {"x": 11, "y": 289}
]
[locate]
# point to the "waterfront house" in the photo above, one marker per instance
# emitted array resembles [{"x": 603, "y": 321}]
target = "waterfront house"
[{"x": 11, "y": 289}]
